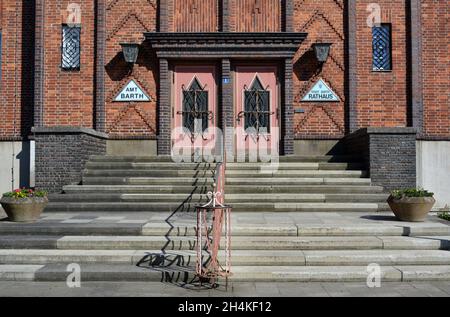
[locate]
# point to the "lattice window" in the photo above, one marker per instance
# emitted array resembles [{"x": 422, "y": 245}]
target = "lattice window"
[
  {"x": 71, "y": 47},
  {"x": 195, "y": 107},
  {"x": 257, "y": 107},
  {"x": 381, "y": 44}
]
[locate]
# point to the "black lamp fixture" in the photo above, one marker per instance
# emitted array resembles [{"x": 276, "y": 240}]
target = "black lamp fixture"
[
  {"x": 322, "y": 51},
  {"x": 130, "y": 52}
]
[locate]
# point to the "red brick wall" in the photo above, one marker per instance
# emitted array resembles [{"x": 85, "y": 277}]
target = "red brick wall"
[
  {"x": 382, "y": 96},
  {"x": 68, "y": 95},
  {"x": 323, "y": 20},
  {"x": 436, "y": 67},
  {"x": 255, "y": 15},
  {"x": 16, "y": 96},
  {"x": 196, "y": 15},
  {"x": 125, "y": 23}
]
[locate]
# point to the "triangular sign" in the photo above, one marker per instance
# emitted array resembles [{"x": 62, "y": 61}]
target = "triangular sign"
[
  {"x": 132, "y": 92},
  {"x": 321, "y": 92}
]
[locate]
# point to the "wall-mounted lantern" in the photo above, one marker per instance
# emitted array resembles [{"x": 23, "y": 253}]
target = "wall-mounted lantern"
[
  {"x": 130, "y": 52},
  {"x": 322, "y": 51}
]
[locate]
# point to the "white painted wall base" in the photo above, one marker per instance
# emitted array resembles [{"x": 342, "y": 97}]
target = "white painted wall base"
[
  {"x": 433, "y": 170},
  {"x": 14, "y": 155}
]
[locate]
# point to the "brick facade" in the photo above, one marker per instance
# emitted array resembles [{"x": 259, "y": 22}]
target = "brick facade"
[
  {"x": 37, "y": 92},
  {"x": 388, "y": 153},
  {"x": 61, "y": 154},
  {"x": 378, "y": 99},
  {"x": 435, "y": 68}
]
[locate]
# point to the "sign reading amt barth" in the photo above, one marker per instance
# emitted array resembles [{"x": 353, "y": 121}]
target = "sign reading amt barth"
[
  {"x": 321, "y": 92},
  {"x": 132, "y": 92}
]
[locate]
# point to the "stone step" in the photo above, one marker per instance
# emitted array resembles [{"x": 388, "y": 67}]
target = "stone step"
[
  {"x": 99, "y": 165},
  {"x": 299, "y": 189},
  {"x": 184, "y": 228},
  {"x": 95, "y": 165},
  {"x": 298, "y": 181},
  {"x": 231, "y": 198},
  {"x": 147, "y": 181},
  {"x": 239, "y": 257},
  {"x": 230, "y": 174},
  {"x": 118, "y": 189},
  {"x": 172, "y": 173},
  {"x": 190, "y": 206},
  {"x": 260, "y": 243},
  {"x": 135, "y": 257},
  {"x": 163, "y": 158},
  {"x": 118, "y": 158},
  {"x": 230, "y": 189},
  {"x": 174, "y": 274}
]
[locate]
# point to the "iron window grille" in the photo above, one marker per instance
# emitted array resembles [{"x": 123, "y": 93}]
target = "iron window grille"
[
  {"x": 256, "y": 108},
  {"x": 381, "y": 45},
  {"x": 71, "y": 47},
  {"x": 195, "y": 113}
]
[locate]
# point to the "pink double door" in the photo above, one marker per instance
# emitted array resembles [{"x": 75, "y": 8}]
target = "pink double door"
[{"x": 194, "y": 112}]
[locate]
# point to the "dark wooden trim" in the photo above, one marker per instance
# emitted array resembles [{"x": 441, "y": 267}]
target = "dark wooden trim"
[
  {"x": 164, "y": 113},
  {"x": 352, "y": 81},
  {"x": 39, "y": 64},
  {"x": 100, "y": 116},
  {"x": 416, "y": 65}
]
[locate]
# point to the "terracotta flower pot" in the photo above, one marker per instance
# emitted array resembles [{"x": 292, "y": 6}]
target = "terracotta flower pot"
[
  {"x": 24, "y": 209},
  {"x": 412, "y": 209}
]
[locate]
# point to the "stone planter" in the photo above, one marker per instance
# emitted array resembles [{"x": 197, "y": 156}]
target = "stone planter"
[
  {"x": 412, "y": 209},
  {"x": 24, "y": 209}
]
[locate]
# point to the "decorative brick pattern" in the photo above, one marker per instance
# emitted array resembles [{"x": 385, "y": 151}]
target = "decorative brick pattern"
[
  {"x": 196, "y": 15},
  {"x": 256, "y": 15},
  {"x": 389, "y": 155},
  {"x": 127, "y": 23},
  {"x": 36, "y": 91},
  {"x": 61, "y": 154},
  {"x": 324, "y": 22}
]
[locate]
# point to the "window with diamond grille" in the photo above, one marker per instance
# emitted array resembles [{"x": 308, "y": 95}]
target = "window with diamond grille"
[
  {"x": 381, "y": 43},
  {"x": 257, "y": 102},
  {"x": 195, "y": 107},
  {"x": 71, "y": 46}
]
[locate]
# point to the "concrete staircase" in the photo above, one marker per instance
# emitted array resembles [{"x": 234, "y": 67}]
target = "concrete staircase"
[
  {"x": 162, "y": 249},
  {"x": 129, "y": 184},
  {"x": 158, "y": 251}
]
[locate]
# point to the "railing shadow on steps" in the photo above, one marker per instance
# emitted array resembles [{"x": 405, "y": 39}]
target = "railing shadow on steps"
[{"x": 180, "y": 269}]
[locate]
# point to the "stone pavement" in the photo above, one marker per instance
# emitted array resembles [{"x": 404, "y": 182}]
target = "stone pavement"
[
  {"x": 299, "y": 219},
  {"x": 155, "y": 289}
]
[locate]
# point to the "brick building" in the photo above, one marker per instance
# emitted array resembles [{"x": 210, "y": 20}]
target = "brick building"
[{"x": 384, "y": 92}]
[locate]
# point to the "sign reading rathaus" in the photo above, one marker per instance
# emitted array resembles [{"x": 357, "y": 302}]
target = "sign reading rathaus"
[{"x": 320, "y": 92}]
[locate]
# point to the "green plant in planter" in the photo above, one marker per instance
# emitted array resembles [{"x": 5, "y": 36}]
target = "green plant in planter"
[
  {"x": 25, "y": 193},
  {"x": 411, "y": 204},
  {"x": 24, "y": 205},
  {"x": 444, "y": 215},
  {"x": 411, "y": 192}
]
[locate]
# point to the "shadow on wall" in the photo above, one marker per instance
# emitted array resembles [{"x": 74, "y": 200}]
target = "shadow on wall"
[
  {"x": 24, "y": 165},
  {"x": 117, "y": 69},
  {"x": 307, "y": 67}
]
